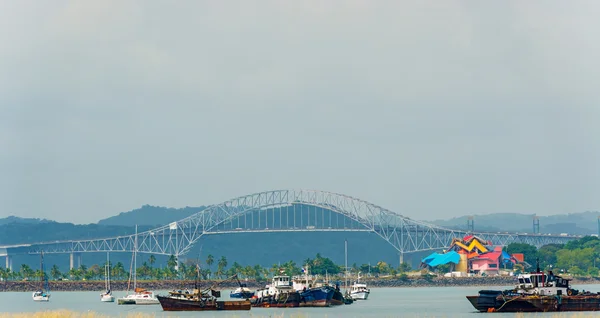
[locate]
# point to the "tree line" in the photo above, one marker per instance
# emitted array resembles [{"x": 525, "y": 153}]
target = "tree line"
[
  {"x": 578, "y": 257},
  {"x": 209, "y": 268}
]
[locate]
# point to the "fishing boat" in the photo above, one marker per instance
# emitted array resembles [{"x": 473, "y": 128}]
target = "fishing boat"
[
  {"x": 242, "y": 292},
  {"x": 359, "y": 291},
  {"x": 536, "y": 292},
  {"x": 200, "y": 300},
  {"x": 140, "y": 296},
  {"x": 312, "y": 295},
  {"x": 280, "y": 293},
  {"x": 107, "y": 296},
  {"x": 43, "y": 294}
]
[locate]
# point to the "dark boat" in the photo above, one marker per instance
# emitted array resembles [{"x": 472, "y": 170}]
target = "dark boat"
[
  {"x": 171, "y": 303},
  {"x": 340, "y": 299},
  {"x": 536, "y": 292},
  {"x": 200, "y": 300},
  {"x": 316, "y": 296}
]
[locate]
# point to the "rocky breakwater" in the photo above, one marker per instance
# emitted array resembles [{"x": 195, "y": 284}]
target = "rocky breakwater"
[
  {"x": 28, "y": 286},
  {"x": 442, "y": 281}
]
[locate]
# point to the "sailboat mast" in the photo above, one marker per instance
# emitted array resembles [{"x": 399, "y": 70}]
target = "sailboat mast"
[
  {"x": 346, "y": 264},
  {"x": 107, "y": 271},
  {"x": 135, "y": 258}
]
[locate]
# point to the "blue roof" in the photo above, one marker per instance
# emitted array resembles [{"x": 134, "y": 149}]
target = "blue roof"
[
  {"x": 436, "y": 259},
  {"x": 506, "y": 257}
]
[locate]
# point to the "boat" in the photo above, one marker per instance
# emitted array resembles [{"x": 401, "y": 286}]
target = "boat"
[
  {"x": 338, "y": 297},
  {"x": 43, "y": 294},
  {"x": 241, "y": 292},
  {"x": 536, "y": 292},
  {"x": 312, "y": 294},
  {"x": 140, "y": 296},
  {"x": 200, "y": 300},
  {"x": 107, "y": 296},
  {"x": 280, "y": 293},
  {"x": 359, "y": 291}
]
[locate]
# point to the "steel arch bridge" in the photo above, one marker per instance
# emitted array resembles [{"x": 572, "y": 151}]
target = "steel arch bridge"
[{"x": 289, "y": 211}]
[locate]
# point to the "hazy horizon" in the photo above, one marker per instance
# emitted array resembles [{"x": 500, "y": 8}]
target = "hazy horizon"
[{"x": 430, "y": 109}]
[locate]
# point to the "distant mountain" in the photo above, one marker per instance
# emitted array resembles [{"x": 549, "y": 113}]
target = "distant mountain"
[
  {"x": 16, "y": 219},
  {"x": 574, "y": 223},
  {"x": 150, "y": 216}
]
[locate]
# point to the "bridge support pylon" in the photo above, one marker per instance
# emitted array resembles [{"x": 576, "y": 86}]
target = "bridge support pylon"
[
  {"x": 401, "y": 258},
  {"x": 74, "y": 260},
  {"x": 9, "y": 262}
]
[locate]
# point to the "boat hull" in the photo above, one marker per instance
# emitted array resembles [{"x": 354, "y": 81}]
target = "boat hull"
[
  {"x": 244, "y": 295},
  {"x": 291, "y": 299},
  {"x": 173, "y": 304},
  {"x": 487, "y": 303},
  {"x": 147, "y": 301},
  {"x": 107, "y": 298},
  {"x": 316, "y": 297},
  {"x": 125, "y": 301},
  {"x": 40, "y": 296},
  {"x": 363, "y": 295}
]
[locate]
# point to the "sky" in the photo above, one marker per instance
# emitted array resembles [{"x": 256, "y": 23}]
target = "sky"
[{"x": 432, "y": 109}]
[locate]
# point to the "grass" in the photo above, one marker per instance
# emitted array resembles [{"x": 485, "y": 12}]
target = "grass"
[{"x": 91, "y": 314}]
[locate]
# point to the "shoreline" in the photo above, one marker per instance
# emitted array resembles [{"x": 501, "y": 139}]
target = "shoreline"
[{"x": 29, "y": 286}]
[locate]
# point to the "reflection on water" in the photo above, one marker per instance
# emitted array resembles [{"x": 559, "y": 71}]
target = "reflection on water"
[{"x": 383, "y": 302}]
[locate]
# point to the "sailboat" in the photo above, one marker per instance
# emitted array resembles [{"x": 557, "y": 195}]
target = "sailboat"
[
  {"x": 140, "y": 295},
  {"x": 43, "y": 294},
  {"x": 107, "y": 296}
]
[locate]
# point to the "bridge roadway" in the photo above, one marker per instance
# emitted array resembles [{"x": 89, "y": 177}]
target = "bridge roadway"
[{"x": 281, "y": 211}]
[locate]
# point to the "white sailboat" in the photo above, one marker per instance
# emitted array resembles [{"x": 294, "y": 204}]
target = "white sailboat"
[
  {"x": 140, "y": 296},
  {"x": 43, "y": 294},
  {"x": 107, "y": 296}
]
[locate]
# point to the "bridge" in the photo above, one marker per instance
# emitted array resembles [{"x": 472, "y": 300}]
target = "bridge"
[{"x": 282, "y": 211}]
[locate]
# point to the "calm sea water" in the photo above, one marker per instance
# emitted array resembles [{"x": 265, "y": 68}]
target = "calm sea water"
[{"x": 383, "y": 302}]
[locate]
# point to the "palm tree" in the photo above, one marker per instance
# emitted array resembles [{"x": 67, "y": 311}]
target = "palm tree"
[
  {"x": 55, "y": 272},
  {"x": 172, "y": 262},
  {"x": 210, "y": 260},
  {"x": 221, "y": 265},
  {"x": 152, "y": 260}
]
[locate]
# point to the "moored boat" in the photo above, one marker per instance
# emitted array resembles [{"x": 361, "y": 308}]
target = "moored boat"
[
  {"x": 43, "y": 294},
  {"x": 201, "y": 300},
  {"x": 280, "y": 293},
  {"x": 242, "y": 292},
  {"x": 536, "y": 292},
  {"x": 359, "y": 291},
  {"x": 107, "y": 296}
]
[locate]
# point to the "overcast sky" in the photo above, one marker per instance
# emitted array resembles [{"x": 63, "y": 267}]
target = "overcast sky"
[{"x": 432, "y": 109}]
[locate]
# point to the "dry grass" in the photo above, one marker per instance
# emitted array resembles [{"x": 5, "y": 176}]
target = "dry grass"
[
  {"x": 74, "y": 314},
  {"x": 70, "y": 314}
]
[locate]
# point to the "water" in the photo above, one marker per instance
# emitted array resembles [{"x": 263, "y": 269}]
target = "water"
[{"x": 382, "y": 302}]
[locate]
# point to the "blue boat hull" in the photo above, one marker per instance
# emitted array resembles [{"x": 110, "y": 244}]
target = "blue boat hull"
[
  {"x": 242, "y": 295},
  {"x": 316, "y": 297}
]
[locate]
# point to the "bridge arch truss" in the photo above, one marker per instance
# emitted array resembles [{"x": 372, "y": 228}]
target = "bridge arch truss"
[{"x": 351, "y": 214}]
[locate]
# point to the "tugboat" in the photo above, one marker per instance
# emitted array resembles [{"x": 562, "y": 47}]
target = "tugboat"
[
  {"x": 200, "y": 300},
  {"x": 536, "y": 292},
  {"x": 279, "y": 293}
]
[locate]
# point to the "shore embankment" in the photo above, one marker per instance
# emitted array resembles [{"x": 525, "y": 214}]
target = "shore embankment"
[{"x": 22, "y": 286}]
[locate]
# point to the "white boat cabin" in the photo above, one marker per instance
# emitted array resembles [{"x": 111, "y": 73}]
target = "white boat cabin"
[
  {"x": 542, "y": 284},
  {"x": 279, "y": 284}
]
